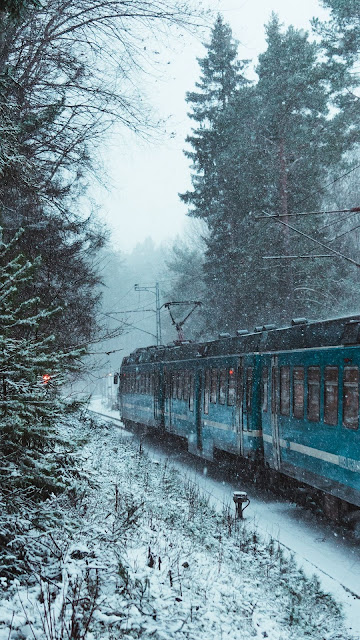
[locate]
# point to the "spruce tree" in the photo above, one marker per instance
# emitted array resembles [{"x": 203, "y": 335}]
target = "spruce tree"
[
  {"x": 220, "y": 81},
  {"x": 32, "y": 371},
  {"x": 221, "y": 76}
]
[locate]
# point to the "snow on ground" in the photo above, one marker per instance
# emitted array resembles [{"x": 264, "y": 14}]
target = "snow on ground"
[
  {"x": 147, "y": 556},
  {"x": 319, "y": 548}
]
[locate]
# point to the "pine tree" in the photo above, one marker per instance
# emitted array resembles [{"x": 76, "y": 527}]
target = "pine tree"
[
  {"x": 303, "y": 141},
  {"x": 220, "y": 79},
  {"x": 342, "y": 32},
  {"x": 278, "y": 143},
  {"x": 31, "y": 373}
]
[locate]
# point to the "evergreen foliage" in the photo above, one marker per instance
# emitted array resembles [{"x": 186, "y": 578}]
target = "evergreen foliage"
[
  {"x": 342, "y": 32},
  {"x": 31, "y": 465},
  {"x": 268, "y": 149},
  {"x": 220, "y": 79},
  {"x": 341, "y": 44}
]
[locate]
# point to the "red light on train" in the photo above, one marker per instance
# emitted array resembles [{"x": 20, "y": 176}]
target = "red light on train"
[
  {"x": 231, "y": 372},
  {"x": 46, "y": 378}
]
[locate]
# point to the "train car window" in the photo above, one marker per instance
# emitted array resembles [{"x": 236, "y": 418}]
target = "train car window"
[
  {"x": 331, "y": 399},
  {"x": 264, "y": 389},
  {"x": 180, "y": 388},
  {"x": 222, "y": 386},
  {"x": 207, "y": 391},
  {"x": 351, "y": 398},
  {"x": 298, "y": 392},
  {"x": 285, "y": 391},
  {"x": 191, "y": 392},
  {"x": 231, "y": 388},
  {"x": 313, "y": 408},
  {"x": 249, "y": 377},
  {"x": 134, "y": 383},
  {"x": 213, "y": 386},
  {"x": 152, "y": 382}
]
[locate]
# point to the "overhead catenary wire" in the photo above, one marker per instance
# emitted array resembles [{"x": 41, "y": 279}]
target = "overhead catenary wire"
[
  {"x": 344, "y": 233},
  {"x": 321, "y": 244},
  {"x": 329, "y": 184},
  {"x": 321, "y": 255},
  {"x": 308, "y": 213}
]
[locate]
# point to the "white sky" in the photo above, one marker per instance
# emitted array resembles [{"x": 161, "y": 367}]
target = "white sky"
[{"x": 146, "y": 178}]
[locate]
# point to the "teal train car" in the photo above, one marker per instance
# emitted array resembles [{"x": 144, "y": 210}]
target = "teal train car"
[{"x": 286, "y": 398}]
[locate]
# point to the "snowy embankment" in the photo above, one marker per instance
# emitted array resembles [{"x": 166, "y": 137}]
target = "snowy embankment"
[{"x": 146, "y": 556}]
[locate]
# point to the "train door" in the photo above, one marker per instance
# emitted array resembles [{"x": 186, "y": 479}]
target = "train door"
[
  {"x": 274, "y": 412},
  {"x": 198, "y": 407},
  {"x": 239, "y": 407}
]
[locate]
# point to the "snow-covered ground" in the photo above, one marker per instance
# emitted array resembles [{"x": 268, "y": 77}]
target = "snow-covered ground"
[
  {"x": 319, "y": 548},
  {"x": 147, "y": 556}
]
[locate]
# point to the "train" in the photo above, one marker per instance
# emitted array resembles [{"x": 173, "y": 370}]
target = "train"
[{"x": 284, "y": 398}]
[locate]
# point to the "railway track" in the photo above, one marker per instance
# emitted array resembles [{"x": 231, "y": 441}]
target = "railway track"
[{"x": 107, "y": 417}]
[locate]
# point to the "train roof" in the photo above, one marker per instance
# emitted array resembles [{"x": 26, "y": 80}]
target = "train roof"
[{"x": 302, "y": 334}]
